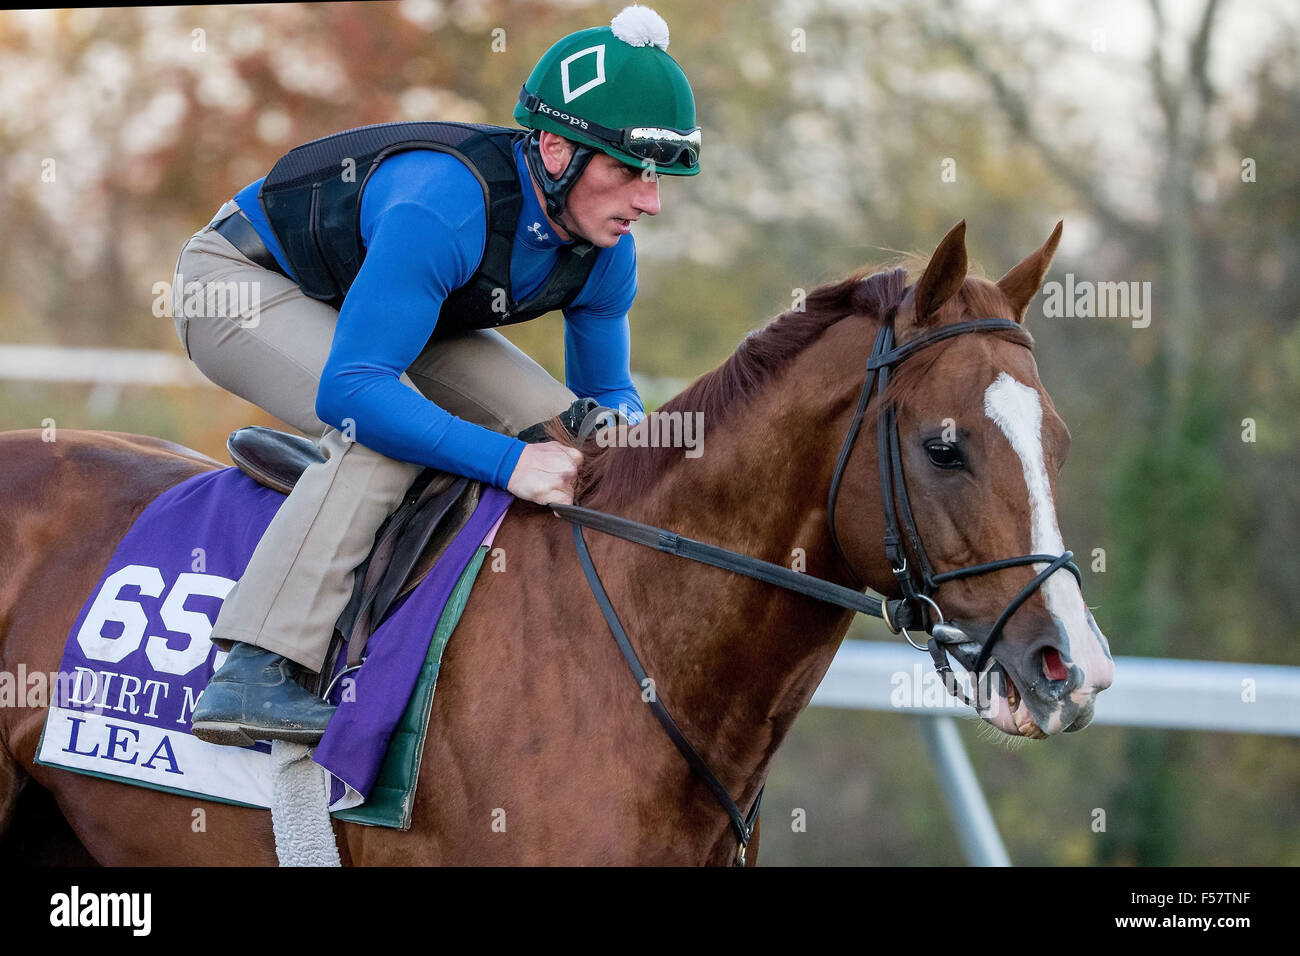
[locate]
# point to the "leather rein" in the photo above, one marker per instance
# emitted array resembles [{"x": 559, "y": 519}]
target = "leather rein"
[{"x": 916, "y": 609}]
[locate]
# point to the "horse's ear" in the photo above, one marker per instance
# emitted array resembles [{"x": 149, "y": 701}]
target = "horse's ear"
[
  {"x": 1022, "y": 283},
  {"x": 943, "y": 276}
]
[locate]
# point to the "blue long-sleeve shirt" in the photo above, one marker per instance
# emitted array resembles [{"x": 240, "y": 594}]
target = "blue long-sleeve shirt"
[{"x": 424, "y": 225}]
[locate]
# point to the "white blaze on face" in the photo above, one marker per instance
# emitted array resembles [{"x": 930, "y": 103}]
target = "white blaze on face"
[{"x": 1018, "y": 413}]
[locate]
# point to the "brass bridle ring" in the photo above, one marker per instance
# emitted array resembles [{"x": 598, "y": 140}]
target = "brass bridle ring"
[{"x": 884, "y": 616}]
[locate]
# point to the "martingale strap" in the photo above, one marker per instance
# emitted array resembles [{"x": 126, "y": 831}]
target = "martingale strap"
[{"x": 742, "y": 824}]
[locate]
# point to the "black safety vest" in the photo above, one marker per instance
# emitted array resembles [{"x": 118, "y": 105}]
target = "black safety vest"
[{"x": 312, "y": 200}]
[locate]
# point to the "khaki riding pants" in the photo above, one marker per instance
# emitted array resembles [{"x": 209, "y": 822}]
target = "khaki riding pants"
[{"x": 259, "y": 336}]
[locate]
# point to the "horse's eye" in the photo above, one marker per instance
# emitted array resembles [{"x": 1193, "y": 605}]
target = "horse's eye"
[{"x": 943, "y": 455}]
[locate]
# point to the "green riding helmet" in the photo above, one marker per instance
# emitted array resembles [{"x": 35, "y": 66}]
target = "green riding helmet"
[{"x": 617, "y": 90}]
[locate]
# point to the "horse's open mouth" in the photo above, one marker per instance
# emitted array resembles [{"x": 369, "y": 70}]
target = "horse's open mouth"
[
  {"x": 1007, "y": 710},
  {"x": 1016, "y": 719}
]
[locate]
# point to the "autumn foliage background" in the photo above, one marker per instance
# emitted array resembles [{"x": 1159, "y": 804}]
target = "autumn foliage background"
[{"x": 1164, "y": 134}]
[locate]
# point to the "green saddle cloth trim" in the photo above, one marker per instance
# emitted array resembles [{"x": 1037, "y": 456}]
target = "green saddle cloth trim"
[{"x": 392, "y": 800}]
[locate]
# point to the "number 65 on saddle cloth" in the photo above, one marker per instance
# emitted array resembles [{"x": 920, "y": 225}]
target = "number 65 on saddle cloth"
[{"x": 139, "y": 654}]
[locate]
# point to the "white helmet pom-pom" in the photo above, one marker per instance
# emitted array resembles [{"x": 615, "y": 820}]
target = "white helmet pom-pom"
[{"x": 640, "y": 26}]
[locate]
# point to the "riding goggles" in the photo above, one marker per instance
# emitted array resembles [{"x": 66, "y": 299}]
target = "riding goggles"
[
  {"x": 654, "y": 144},
  {"x": 664, "y": 147}
]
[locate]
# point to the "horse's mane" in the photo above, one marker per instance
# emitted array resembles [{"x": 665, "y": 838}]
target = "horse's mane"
[{"x": 605, "y": 478}]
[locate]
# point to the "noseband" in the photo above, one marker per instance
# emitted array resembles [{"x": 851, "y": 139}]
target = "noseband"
[
  {"x": 919, "y": 582},
  {"x": 913, "y": 610}
]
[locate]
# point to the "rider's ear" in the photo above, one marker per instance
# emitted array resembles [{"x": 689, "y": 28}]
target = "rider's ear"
[
  {"x": 1022, "y": 283},
  {"x": 556, "y": 152},
  {"x": 943, "y": 276}
]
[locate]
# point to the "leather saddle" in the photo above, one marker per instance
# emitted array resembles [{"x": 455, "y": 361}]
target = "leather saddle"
[
  {"x": 407, "y": 545},
  {"x": 411, "y": 539}
]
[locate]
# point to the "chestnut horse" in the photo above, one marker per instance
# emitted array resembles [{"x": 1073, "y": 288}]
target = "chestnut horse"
[{"x": 540, "y": 748}]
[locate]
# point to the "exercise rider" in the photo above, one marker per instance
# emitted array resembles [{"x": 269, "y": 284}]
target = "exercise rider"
[{"x": 385, "y": 256}]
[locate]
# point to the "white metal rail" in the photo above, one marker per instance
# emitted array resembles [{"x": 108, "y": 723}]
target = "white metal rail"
[{"x": 1147, "y": 692}]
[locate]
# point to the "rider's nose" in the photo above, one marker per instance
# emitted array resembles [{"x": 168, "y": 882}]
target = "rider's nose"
[{"x": 647, "y": 196}]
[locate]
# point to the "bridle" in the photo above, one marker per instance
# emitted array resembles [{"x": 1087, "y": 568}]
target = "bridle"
[
  {"x": 920, "y": 584},
  {"x": 912, "y": 610}
]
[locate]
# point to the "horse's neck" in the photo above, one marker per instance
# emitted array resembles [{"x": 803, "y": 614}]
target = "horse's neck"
[{"x": 733, "y": 659}]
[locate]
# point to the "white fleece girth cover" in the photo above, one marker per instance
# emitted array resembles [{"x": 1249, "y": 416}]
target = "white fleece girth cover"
[{"x": 300, "y": 813}]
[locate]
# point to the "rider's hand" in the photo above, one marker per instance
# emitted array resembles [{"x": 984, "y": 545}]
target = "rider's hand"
[{"x": 545, "y": 473}]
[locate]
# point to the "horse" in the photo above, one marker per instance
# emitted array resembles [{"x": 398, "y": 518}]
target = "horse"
[{"x": 540, "y": 747}]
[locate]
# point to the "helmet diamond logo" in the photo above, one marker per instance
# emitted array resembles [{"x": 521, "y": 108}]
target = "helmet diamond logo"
[{"x": 569, "y": 92}]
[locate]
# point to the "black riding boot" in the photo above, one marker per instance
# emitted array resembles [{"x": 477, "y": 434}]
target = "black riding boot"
[{"x": 254, "y": 697}]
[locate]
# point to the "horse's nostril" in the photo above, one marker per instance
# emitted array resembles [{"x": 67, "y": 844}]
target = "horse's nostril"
[{"x": 1053, "y": 666}]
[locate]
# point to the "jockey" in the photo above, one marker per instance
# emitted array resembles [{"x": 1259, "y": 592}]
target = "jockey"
[{"x": 382, "y": 258}]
